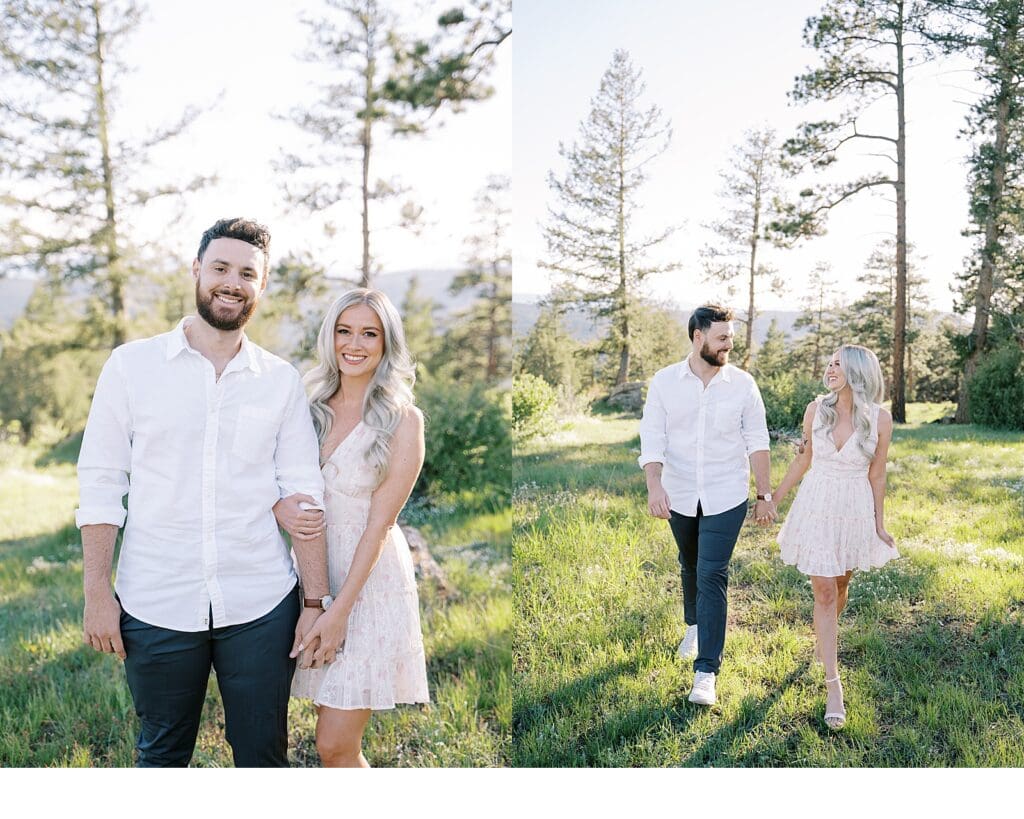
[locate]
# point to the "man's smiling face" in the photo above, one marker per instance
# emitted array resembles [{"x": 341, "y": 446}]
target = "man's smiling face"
[{"x": 230, "y": 278}]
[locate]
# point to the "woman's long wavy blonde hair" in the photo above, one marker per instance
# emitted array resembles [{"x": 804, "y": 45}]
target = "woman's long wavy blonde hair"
[
  {"x": 864, "y": 377},
  {"x": 389, "y": 392}
]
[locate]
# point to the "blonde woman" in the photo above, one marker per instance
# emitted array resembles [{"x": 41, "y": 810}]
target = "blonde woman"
[
  {"x": 365, "y": 652},
  {"x": 837, "y": 521}
]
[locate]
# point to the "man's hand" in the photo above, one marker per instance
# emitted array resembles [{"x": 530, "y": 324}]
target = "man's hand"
[
  {"x": 101, "y": 625},
  {"x": 765, "y": 513},
  {"x": 301, "y": 524},
  {"x": 658, "y": 502},
  {"x": 307, "y": 618}
]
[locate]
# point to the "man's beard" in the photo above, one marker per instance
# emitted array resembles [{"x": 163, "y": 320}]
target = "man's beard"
[
  {"x": 715, "y": 361},
  {"x": 204, "y": 306}
]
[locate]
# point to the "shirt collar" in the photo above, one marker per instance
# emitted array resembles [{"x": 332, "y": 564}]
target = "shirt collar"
[
  {"x": 723, "y": 374},
  {"x": 245, "y": 358}
]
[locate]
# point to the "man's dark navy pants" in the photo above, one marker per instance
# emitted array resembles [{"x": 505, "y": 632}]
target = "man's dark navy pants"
[
  {"x": 168, "y": 672},
  {"x": 705, "y": 546}
]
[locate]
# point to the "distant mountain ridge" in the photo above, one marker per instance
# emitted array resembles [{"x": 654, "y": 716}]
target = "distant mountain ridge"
[
  {"x": 583, "y": 328},
  {"x": 16, "y": 292}
]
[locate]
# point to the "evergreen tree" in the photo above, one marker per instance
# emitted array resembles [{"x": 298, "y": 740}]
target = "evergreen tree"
[
  {"x": 355, "y": 46},
  {"x": 69, "y": 183},
  {"x": 820, "y": 316},
  {"x": 773, "y": 356},
  {"x": 548, "y": 351},
  {"x": 591, "y": 241},
  {"x": 483, "y": 332},
  {"x": 420, "y": 324},
  {"x": 866, "y": 48},
  {"x": 870, "y": 317},
  {"x": 660, "y": 339},
  {"x": 46, "y": 372},
  {"x": 452, "y": 67},
  {"x": 990, "y": 32},
  {"x": 937, "y": 377},
  {"x": 750, "y": 190},
  {"x": 288, "y": 321}
]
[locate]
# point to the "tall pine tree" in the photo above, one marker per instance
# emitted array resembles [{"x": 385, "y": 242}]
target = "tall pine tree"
[
  {"x": 866, "y": 47},
  {"x": 483, "y": 331},
  {"x": 990, "y": 31},
  {"x": 69, "y": 180},
  {"x": 750, "y": 189},
  {"x": 355, "y": 45},
  {"x": 590, "y": 234}
]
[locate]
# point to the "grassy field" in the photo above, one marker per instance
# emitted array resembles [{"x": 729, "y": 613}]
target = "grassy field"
[
  {"x": 931, "y": 646},
  {"x": 63, "y": 704}
]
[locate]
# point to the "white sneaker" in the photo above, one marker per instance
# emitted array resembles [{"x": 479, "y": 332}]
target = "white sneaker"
[
  {"x": 688, "y": 647},
  {"x": 703, "y": 691}
]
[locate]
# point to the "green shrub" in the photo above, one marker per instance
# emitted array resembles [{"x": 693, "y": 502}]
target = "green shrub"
[
  {"x": 468, "y": 443},
  {"x": 786, "y": 396},
  {"x": 996, "y": 392},
  {"x": 533, "y": 404}
]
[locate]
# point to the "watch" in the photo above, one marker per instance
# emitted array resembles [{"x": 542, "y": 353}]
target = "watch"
[
  {"x": 322, "y": 603},
  {"x": 767, "y": 496}
]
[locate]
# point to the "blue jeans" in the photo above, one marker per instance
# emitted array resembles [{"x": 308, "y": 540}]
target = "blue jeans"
[
  {"x": 168, "y": 672},
  {"x": 705, "y": 546}
]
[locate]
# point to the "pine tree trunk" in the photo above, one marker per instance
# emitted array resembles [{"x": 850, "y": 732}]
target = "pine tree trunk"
[
  {"x": 624, "y": 354},
  {"x": 115, "y": 278},
  {"x": 755, "y": 229},
  {"x": 364, "y": 281},
  {"x": 986, "y": 275},
  {"x": 366, "y": 142},
  {"x": 899, "y": 396}
]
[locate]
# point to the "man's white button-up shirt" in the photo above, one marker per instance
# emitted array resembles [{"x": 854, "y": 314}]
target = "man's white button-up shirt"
[
  {"x": 203, "y": 461},
  {"x": 703, "y": 436}
]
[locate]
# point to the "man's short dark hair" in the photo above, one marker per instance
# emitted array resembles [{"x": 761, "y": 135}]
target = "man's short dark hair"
[
  {"x": 707, "y": 314},
  {"x": 246, "y": 230}
]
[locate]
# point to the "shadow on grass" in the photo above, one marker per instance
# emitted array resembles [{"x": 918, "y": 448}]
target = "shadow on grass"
[
  {"x": 753, "y": 711},
  {"x": 534, "y": 714}
]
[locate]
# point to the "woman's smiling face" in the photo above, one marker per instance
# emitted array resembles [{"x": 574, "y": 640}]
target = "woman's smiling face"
[{"x": 358, "y": 340}]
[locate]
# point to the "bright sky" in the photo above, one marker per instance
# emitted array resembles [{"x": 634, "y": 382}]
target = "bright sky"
[
  {"x": 242, "y": 59},
  {"x": 716, "y": 70}
]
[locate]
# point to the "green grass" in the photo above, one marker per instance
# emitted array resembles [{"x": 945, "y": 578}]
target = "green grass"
[
  {"x": 931, "y": 646},
  {"x": 64, "y": 705}
]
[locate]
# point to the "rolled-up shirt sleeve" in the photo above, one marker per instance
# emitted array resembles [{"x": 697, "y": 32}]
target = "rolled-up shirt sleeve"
[
  {"x": 105, "y": 459},
  {"x": 755, "y": 424},
  {"x": 653, "y": 434},
  {"x": 297, "y": 459}
]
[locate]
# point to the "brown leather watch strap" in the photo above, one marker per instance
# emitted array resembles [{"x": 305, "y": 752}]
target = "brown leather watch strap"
[{"x": 311, "y": 602}]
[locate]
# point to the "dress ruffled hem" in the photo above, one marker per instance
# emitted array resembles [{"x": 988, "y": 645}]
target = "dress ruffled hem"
[
  {"x": 813, "y": 563},
  {"x": 356, "y": 683}
]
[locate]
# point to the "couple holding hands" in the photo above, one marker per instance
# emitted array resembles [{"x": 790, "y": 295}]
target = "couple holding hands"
[
  {"x": 703, "y": 422},
  {"x": 216, "y": 445}
]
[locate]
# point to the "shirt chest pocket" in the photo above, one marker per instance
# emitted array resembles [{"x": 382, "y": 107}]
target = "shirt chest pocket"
[
  {"x": 255, "y": 437},
  {"x": 728, "y": 420}
]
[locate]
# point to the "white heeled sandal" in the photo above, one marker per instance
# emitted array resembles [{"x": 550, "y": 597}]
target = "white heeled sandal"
[{"x": 835, "y": 719}]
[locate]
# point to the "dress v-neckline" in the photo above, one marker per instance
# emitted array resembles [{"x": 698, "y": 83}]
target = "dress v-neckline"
[{"x": 341, "y": 443}]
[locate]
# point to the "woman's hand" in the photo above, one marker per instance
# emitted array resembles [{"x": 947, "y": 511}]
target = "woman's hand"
[
  {"x": 298, "y": 517},
  {"x": 885, "y": 537},
  {"x": 330, "y": 629}
]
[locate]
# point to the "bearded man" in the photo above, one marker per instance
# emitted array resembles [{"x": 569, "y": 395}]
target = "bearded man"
[
  {"x": 703, "y": 421},
  {"x": 206, "y": 433}
]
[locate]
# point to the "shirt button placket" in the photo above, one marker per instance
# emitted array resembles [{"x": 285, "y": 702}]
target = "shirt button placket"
[
  {"x": 209, "y": 481},
  {"x": 701, "y": 422}
]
